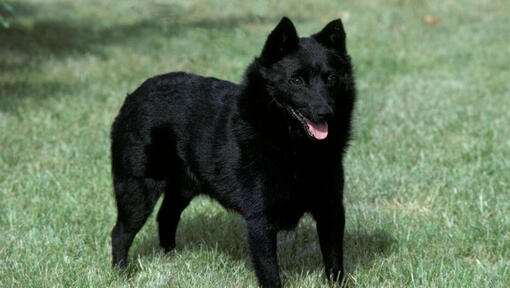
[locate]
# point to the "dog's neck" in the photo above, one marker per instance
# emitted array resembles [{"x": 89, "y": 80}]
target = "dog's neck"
[{"x": 259, "y": 109}]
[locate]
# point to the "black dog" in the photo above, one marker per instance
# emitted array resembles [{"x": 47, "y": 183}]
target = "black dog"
[{"x": 270, "y": 148}]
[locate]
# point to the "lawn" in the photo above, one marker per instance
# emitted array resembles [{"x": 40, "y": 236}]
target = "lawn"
[{"x": 428, "y": 172}]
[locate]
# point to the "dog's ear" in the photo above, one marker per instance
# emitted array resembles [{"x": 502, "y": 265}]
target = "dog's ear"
[
  {"x": 280, "y": 42},
  {"x": 332, "y": 36}
]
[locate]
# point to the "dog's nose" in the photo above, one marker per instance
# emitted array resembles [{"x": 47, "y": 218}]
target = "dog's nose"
[{"x": 325, "y": 113}]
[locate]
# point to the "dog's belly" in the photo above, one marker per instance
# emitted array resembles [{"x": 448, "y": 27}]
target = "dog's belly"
[{"x": 287, "y": 219}]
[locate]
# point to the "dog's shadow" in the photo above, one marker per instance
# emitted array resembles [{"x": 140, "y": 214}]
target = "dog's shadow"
[{"x": 298, "y": 249}]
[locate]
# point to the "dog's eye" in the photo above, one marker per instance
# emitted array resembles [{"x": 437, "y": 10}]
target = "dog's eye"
[
  {"x": 298, "y": 81},
  {"x": 331, "y": 80}
]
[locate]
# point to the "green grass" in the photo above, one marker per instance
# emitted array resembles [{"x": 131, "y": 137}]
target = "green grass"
[{"x": 428, "y": 172}]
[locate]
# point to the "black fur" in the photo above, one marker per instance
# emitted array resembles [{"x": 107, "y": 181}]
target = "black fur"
[{"x": 247, "y": 146}]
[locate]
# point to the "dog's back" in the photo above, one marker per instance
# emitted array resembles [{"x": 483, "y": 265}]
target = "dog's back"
[{"x": 168, "y": 116}]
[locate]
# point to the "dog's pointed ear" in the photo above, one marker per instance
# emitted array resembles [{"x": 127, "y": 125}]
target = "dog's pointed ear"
[
  {"x": 280, "y": 42},
  {"x": 332, "y": 36}
]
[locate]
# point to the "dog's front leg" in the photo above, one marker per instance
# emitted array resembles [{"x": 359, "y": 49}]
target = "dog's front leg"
[
  {"x": 262, "y": 243},
  {"x": 330, "y": 228}
]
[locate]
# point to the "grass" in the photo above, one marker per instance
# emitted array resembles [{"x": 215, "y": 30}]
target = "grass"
[{"x": 428, "y": 172}]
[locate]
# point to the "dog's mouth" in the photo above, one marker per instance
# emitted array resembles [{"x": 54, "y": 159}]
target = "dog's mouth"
[{"x": 318, "y": 131}]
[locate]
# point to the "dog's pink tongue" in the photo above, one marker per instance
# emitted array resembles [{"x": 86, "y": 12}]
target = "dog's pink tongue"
[{"x": 320, "y": 131}]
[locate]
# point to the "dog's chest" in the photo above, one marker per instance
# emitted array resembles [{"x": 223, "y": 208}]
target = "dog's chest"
[{"x": 291, "y": 195}]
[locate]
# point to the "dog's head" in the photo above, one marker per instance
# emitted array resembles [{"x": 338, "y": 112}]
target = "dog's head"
[{"x": 310, "y": 79}]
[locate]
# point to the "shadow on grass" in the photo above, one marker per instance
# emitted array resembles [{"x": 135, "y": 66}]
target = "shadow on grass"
[
  {"x": 60, "y": 38},
  {"x": 298, "y": 249}
]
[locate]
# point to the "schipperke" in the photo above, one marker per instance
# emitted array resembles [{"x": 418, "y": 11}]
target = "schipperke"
[{"x": 269, "y": 148}]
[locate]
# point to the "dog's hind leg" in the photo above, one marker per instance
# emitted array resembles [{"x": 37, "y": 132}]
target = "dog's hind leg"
[
  {"x": 136, "y": 198},
  {"x": 169, "y": 215}
]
